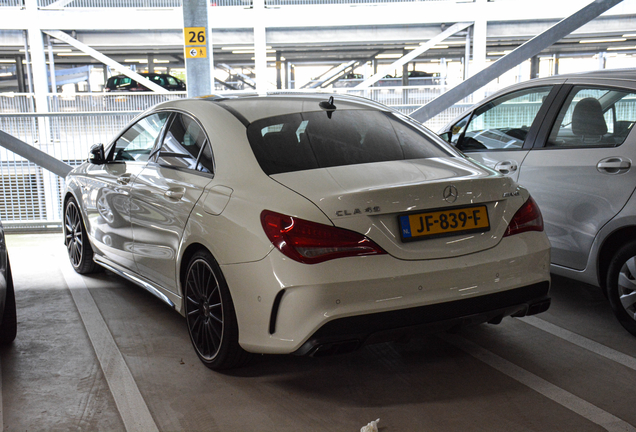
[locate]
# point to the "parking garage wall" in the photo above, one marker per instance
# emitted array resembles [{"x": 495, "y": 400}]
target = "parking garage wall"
[{"x": 74, "y": 123}]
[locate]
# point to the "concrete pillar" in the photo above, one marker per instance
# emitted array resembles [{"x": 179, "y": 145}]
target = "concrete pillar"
[
  {"x": 260, "y": 46},
  {"x": 19, "y": 71},
  {"x": 534, "y": 67},
  {"x": 200, "y": 66},
  {"x": 48, "y": 180},
  {"x": 27, "y": 58},
  {"x": 51, "y": 66},
  {"x": 151, "y": 63},
  {"x": 479, "y": 38},
  {"x": 279, "y": 78},
  {"x": 467, "y": 53},
  {"x": 602, "y": 60},
  {"x": 405, "y": 71},
  {"x": 292, "y": 74}
]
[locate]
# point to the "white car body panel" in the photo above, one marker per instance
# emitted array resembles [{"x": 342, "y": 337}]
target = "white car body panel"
[
  {"x": 315, "y": 295},
  {"x": 389, "y": 189},
  {"x": 169, "y": 213}
]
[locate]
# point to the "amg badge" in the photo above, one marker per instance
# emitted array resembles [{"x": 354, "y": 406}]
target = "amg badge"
[{"x": 341, "y": 213}]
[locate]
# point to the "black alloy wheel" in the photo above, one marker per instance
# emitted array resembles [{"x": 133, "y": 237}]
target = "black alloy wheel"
[
  {"x": 210, "y": 315},
  {"x": 621, "y": 286},
  {"x": 80, "y": 252}
]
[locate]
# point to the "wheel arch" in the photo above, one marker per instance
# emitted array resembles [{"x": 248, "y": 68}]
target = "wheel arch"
[{"x": 611, "y": 244}]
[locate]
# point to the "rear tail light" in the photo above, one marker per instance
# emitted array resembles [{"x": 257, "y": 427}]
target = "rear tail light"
[
  {"x": 527, "y": 218},
  {"x": 310, "y": 242}
]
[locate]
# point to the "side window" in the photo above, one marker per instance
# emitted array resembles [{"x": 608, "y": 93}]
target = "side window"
[
  {"x": 137, "y": 142},
  {"x": 503, "y": 123},
  {"x": 457, "y": 130},
  {"x": 594, "y": 117},
  {"x": 184, "y": 142}
]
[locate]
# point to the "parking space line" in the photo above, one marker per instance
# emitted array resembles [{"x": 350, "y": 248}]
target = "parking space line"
[
  {"x": 130, "y": 403},
  {"x": 574, "y": 403},
  {"x": 582, "y": 342}
]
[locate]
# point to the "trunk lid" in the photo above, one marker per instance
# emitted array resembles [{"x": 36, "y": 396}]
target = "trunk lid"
[{"x": 370, "y": 198}]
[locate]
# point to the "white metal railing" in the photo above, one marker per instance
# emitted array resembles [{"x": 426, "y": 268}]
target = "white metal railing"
[
  {"x": 74, "y": 123},
  {"x": 178, "y": 3}
]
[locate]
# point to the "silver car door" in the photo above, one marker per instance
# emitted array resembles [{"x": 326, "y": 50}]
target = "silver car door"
[
  {"x": 163, "y": 196},
  {"x": 583, "y": 175},
  {"x": 499, "y": 132},
  {"x": 107, "y": 202}
]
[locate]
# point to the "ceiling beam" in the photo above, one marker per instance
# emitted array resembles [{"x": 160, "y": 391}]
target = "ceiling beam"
[
  {"x": 57, "y": 34},
  {"x": 456, "y": 28},
  {"x": 527, "y": 50}
]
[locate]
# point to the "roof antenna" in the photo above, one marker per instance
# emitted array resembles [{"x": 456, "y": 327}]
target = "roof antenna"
[{"x": 328, "y": 106}]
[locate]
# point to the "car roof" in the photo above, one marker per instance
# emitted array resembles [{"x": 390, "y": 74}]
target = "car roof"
[
  {"x": 620, "y": 74},
  {"x": 253, "y": 106}
]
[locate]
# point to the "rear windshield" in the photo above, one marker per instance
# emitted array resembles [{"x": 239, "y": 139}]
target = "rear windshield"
[{"x": 310, "y": 140}]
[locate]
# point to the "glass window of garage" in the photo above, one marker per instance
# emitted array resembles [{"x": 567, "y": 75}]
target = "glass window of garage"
[
  {"x": 503, "y": 123},
  {"x": 310, "y": 140},
  {"x": 186, "y": 146},
  {"x": 137, "y": 142},
  {"x": 594, "y": 117}
]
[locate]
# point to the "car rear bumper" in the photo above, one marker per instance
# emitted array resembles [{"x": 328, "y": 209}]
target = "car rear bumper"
[
  {"x": 283, "y": 306},
  {"x": 350, "y": 333}
]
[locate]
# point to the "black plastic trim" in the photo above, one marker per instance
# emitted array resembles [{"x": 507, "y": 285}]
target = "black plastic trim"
[
  {"x": 275, "y": 307},
  {"x": 348, "y": 334}
]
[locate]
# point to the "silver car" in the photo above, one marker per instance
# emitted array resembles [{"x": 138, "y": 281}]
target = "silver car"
[
  {"x": 569, "y": 140},
  {"x": 8, "y": 321}
]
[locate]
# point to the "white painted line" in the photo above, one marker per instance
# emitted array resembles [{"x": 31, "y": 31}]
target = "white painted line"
[
  {"x": 131, "y": 405},
  {"x": 574, "y": 403},
  {"x": 582, "y": 342}
]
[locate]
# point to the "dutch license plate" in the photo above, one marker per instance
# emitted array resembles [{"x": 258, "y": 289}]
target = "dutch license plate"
[{"x": 441, "y": 223}]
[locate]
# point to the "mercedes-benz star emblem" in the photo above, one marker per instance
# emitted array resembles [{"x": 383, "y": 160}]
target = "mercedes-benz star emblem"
[{"x": 450, "y": 194}]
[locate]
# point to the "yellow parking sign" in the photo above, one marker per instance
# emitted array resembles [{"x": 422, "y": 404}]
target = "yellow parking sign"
[
  {"x": 194, "y": 36},
  {"x": 196, "y": 52}
]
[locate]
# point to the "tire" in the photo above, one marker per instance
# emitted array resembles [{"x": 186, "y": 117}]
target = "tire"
[
  {"x": 210, "y": 315},
  {"x": 79, "y": 249},
  {"x": 621, "y": 286},
  {"x": 9, "y": 325}
]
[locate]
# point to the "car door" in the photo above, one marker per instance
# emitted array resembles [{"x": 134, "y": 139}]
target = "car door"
[
  {"x": 580, "y": 171},
  {"x": 108, "y": 203},
  {"x": 163, "y": 195},
  {"x": 500, "y": 132}
]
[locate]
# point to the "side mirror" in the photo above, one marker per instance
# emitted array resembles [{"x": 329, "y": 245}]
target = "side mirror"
[{"x": 96, "y": 155}]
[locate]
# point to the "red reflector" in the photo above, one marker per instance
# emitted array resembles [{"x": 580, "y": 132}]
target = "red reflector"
[
  {"x": 527, "y": 218},
  {"x": 310, "y": 242}
]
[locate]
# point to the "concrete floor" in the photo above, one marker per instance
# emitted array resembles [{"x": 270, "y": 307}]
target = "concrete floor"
[{"x": 572, "y": 368}]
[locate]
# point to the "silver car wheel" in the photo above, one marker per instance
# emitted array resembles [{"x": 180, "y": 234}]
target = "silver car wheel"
[{"x": 627, "y": 287}]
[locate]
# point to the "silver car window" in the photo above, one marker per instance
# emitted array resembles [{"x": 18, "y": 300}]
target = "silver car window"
[
  {"x": 182, "y": 145},
  {"x": 137, "y": 142},
  {"x": 594, "y": 117},
  {"x": 503, "y": 123}
]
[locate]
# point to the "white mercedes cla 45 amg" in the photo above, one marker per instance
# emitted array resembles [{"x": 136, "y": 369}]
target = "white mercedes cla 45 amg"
[{"x": 304, "y": 224}]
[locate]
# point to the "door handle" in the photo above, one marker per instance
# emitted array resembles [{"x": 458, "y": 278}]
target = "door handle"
[
  {"x": 175, "y": 194},
  {"x": 124, "y": 179},
  {"x": 614, "y": 165},
  {"x": 506, "y": 167}
]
